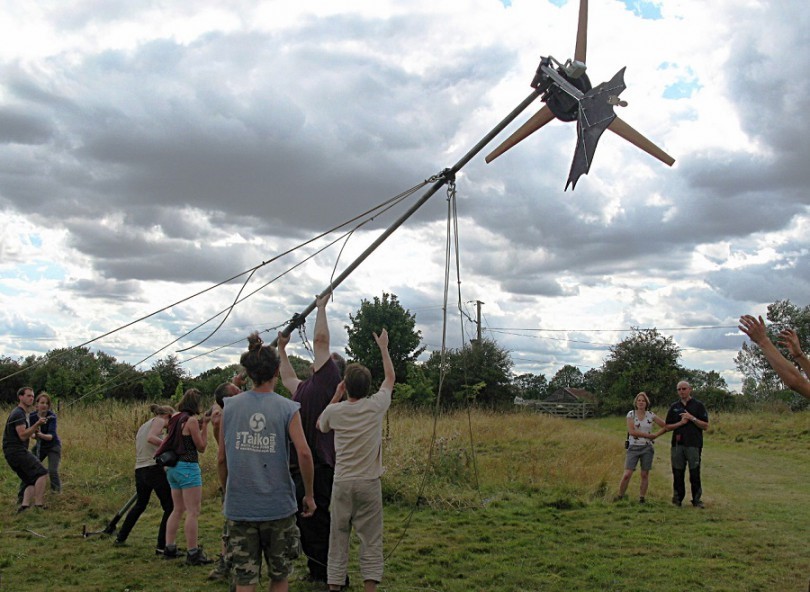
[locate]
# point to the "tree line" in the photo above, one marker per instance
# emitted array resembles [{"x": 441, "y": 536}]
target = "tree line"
[{"x": 479, "y": 373}]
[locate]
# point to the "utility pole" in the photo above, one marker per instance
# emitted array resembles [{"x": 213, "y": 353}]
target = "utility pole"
[{"x": 478, "y": 304}]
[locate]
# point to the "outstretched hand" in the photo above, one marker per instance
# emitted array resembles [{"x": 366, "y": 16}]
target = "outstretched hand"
[
  {"x": 282, "y": 340},
  {"x": 322, "y": 301},
  {"x": 382, "y": 339},
  {"x": 754, "y": 328},
  {"x": 789, "y": 339}
]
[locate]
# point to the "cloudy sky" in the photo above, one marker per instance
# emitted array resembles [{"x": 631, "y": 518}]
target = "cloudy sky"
[{"x": 151, "y": 150}]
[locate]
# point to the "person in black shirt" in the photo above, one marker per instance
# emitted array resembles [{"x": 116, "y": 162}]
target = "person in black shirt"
[
  {"x": 16, "y": 435},
  {"x": 687, "y": 418}
]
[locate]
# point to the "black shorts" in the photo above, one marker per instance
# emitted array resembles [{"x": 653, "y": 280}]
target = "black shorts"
[{"x": 26, "y": 465}]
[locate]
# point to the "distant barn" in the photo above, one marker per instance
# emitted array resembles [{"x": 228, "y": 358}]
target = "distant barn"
[{"x": 564, "y": 402}]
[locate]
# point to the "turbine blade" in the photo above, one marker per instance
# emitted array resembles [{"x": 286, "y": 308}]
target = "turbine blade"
[
  {"x": 534, "y": 123},
  {"x": 582, "y": 32},
  {"x": 620, "y": 127}
]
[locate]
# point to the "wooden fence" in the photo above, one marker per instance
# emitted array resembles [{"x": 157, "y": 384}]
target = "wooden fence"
[{"x": 577, "y": 410}]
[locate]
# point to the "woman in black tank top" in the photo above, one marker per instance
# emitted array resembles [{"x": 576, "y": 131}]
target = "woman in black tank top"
[{"x": 185, "y": 480}]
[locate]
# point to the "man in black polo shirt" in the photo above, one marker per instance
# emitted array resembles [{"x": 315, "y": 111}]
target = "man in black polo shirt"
[
  {"x": 16, "y": 434},
  {"x": 688, "y": 418}
]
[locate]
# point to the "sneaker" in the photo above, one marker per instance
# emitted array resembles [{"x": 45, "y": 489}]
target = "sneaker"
[
  {"x": 159, "y": 551},
  {"x": 170, "y": 553},
  {"x": 22, "y": 508},
  {"x": 698, "y": 504},
  {"x": 119, "y": 543},
  {"x": 197, "y": 557},
  {"x": 676, "y": 501},
  {"x": 641, "y": 500},
  {"x": 618, "y": 498}
]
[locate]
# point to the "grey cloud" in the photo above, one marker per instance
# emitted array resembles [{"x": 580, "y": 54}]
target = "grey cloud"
[
  {"x": 105, "y": 289},
  {"x": 19, "y": 127}
]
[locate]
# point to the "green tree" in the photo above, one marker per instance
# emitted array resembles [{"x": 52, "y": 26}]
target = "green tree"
[
  {"x": 593, "y": 381},
  {"x": 417, "y": 392},
  {"x": 566, "y": 377},
  {"x": 12, "y": 377},
  {"x": 403, "y": 337},
  {"x": 531, "y": 386},
  {"x": 207, "y": 382},
  {"x": 479, "y": 374},
  {"x": 152, "y": 386},
  {"x": 68, "y": 373},
  {"x": 171, "y": 374},
  {"x": 643, "y": 361}
]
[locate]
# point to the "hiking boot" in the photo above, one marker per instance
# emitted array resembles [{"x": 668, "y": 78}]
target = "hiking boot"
[
  {"x": 220, "y": 572},
  {"x": 697, "y": 504},
  {"x": 170, "y": 552},
  {"x": 197, "y": 557}
]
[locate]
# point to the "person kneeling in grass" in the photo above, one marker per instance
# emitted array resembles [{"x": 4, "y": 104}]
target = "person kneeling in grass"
[{"x": 357, "y": 493}]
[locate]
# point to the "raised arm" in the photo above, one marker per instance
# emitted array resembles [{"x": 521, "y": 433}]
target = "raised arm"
[
  {"x": 320, "y": 341},
  {"x": 388, "y": 365},
  {"x": 789, "y": 339},
  {"x": 790, "y": 375},
  {"x": 288, "y": 376}
]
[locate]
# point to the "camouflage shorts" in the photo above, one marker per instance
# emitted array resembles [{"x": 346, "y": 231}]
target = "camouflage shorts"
[{"x": 278, "y": 540}]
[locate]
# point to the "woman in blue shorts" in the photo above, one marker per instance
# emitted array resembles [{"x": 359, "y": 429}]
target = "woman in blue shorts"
[{"x": 185, "y": 479}]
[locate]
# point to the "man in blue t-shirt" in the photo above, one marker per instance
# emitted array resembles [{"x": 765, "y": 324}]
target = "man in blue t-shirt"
[
  {"x": 688, "y": 419},
  {"x": 255, "y": 434}
]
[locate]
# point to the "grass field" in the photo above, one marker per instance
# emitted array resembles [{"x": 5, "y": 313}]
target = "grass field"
[{"x": 506, "y": 502}]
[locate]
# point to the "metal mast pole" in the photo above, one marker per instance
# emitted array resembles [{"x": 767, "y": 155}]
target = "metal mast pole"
[{"x": 445, "y": 176}]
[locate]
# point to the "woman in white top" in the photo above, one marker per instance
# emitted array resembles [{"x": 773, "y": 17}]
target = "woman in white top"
[
  {"x": 148, "y": 476},
  {"x": 640, "y": 438}
]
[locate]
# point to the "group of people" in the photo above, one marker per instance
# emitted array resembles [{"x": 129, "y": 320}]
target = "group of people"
[
  {"x": 297, "y": 474},
  {"x": 687, "y": 418},
  {"x": 33, "y": 421},
  {"x": 301, "y": 473}
]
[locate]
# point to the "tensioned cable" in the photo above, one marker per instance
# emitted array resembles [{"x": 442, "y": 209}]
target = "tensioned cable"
[
  {"x": 382, "y": 209},
  {"x": 452, "y": 231},
  {"x": 451, "y": 191},
  {"x": 442, "y": 373},
  {"x": 388, "y": 205},
  {"x": 384, "y": 206}
]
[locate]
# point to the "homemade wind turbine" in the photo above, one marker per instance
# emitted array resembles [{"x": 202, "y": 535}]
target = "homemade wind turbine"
[{"x": 569, "y": 96}]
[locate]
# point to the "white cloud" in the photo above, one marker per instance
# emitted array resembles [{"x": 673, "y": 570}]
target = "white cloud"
[{"x": 149, "y": 150}]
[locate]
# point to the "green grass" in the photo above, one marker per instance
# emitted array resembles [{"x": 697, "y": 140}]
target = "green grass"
[{"x": 535, "y": 515}]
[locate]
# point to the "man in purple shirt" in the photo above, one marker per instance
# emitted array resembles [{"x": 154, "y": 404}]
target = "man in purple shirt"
[{"x": 314, "y": 394}]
